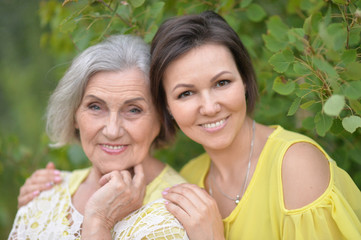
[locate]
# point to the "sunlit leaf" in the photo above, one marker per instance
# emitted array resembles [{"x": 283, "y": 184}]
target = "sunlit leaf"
[
  {"x": 351, "y": 123},
  {"x": 276, "y": 27},
  {"x": 281, "y": 61},
  {"x": 301, "y": 69},
  {"x": 282, "y": 86},
  {"x": 334, "y": 105},
  {"x": 307, "y": 104},
  {"x": 294, "y": 107},
  {"x": 273, "y": 43}
]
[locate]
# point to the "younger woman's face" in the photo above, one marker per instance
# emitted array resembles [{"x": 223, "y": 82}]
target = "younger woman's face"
[{"x": 206, "y": 95}]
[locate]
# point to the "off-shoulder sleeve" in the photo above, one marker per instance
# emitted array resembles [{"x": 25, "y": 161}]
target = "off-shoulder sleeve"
[{"x": 335, "y": 215}]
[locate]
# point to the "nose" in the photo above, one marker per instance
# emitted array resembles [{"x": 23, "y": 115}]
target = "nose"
[
  {"x": 113, "y": 127},
  {"x": 209, "y": 105}
]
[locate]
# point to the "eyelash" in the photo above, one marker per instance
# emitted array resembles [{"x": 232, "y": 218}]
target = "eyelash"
[
  {"x": 135, "y": 110},
  {"x": 185, "y": 94},
  {"x": 224, "y": 83},
  {"x": 94, "y": 107},
  {"x": 220, "y": 83}
]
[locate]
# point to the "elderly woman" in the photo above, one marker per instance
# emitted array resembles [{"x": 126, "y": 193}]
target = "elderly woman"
[{"x": 103, "y": 101}]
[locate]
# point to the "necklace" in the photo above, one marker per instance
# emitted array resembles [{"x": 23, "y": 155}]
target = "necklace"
[{"x": 243, "y": 189}]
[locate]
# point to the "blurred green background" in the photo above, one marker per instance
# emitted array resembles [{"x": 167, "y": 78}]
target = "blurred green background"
[{"x": 306, "y": 54}]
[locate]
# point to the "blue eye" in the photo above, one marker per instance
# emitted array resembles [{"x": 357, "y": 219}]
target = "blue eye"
[
  {"x": 185, "y": 94},
  {"x": 135, "y": 110},
  {"x": 94, "y": 107},
  {"x": 222, "y": 83}
]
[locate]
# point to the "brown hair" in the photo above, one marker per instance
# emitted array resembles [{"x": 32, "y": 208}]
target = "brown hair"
[{"x": 179, "y": 35}]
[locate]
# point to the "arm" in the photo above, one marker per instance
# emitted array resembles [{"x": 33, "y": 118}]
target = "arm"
[
  {"x": 305, "y": 175},
  {"x": 196, "y": 210},
  {"x": 40, "y": 180},
  {"x": 119, "y": 195}
]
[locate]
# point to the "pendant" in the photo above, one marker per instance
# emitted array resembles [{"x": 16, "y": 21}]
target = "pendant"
[{"x": 237, "y": 200}]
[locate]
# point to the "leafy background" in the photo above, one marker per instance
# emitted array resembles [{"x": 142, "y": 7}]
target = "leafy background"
[{"x": 306, "y": 54}]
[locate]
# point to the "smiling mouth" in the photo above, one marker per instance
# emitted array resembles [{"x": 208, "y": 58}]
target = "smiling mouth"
[
  {"x": 214, "y": 124},
  {"x": 113, "y": 148}
]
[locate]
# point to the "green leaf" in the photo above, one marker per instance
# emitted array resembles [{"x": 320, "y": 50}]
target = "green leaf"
[
  {"x": 356, "y": 106},
  {"x": 349, "y": 56},
  {"x": 255, "y": 12},
  {"x": 283, "y": 87},
  {"x": 308, "y": 123},
  {"x": 137, "y": 3},
  {"x": 294, "y": 107},
  {"x": 311, "y": 23},
  {"x": 340, "y": 2},
  {"x": 325, "y": 67},
  {"x": 353, "y": 90},
  {"x": 276, "y": 27},
  {"x": 281, "y": 61},
  {"x": 245, "y": 3},
  {"x": 351, "y": 123},
  {"x": 296, "y": 37},
  {"x": 323, "y": 123},
  {"x": 301, "y": 69},
  {"x": 334, "y": 105},
  {"x": 308, "y": 104},
  {"x": 273, "y": 43},
  {"x": 353, "y": 70}
]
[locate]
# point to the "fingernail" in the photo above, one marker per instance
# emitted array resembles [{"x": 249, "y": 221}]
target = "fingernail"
[
  {"x": 166, "y": 189},
  {"x": 166, "y": 202},
  {"x": 57, "y": 179},
  {"x": 56, "y": 172},
  {"x": 36, "y": 193},
  {"x": 49, "y": 184},
  {"x": 164, "y": 192}
]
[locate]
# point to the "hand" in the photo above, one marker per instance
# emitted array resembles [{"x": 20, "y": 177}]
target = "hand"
[
  {"x": 196, "y": 210},
  {"x": 118, "y": 196},
  {"x": 40, "y": 180}
]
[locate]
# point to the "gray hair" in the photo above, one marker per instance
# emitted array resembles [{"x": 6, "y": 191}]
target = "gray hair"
[{"x": 117, "y": 53}]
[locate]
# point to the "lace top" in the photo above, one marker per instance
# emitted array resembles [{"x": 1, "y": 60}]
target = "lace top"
[
  {"x": 261, "y": 213},
  {"x": 52, "y": 215}
]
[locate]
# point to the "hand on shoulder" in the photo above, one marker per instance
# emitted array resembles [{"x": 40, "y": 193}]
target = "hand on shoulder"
[{"x": 305, "y": 175}]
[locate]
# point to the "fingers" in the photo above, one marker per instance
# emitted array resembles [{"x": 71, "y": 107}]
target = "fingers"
[
  {"x": 25, "y": 199},
  {"x": 50, "y": 165},
  {"x": 138, "y": 178}
]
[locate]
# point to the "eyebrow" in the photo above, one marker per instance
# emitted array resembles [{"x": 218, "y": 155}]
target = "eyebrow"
[
  {"x": 214, "y": 78},
  {"x": 126, "y": 102}
]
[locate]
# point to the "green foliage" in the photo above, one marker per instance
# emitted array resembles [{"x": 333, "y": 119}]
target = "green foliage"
[{"x": 306, "y": 55}]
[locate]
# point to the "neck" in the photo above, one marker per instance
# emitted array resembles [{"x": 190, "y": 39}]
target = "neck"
[{"x": 227, "y": 162}]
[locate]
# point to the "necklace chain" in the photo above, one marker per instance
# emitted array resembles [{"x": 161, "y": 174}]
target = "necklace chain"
[{"x": 243, "y": 189}]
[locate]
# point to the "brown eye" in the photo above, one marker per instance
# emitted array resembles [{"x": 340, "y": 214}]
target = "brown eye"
[
  {"x": 185, "y": 94},
  {"x": 222, "y": 83}
]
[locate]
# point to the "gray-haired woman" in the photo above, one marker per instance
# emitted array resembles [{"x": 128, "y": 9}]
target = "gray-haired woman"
[{"x": 104, "y": 103}]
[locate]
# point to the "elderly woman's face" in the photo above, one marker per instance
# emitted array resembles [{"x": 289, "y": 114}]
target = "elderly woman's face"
[{"x": 117, "y": 120}]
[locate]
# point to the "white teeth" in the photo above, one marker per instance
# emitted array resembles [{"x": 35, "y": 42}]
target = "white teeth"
[
  {"x": 213, "y": 125},
  {"x": 113, "y": 147}
]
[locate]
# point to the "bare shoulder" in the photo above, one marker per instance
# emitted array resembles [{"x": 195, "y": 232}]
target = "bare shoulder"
[{"x": 305, "y": 175}]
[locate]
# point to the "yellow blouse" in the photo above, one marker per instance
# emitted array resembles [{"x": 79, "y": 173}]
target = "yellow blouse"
[
  {"x": 52, "y": 215},
  {"x": 261, "y": 213}
]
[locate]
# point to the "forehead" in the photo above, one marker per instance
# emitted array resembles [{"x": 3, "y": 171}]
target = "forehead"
[
  {"x": 130, "y": 80},
  {"x": 209, "y": 57}
]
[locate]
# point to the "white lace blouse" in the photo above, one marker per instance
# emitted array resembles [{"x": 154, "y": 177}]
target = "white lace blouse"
[{"x": 52, "y": 216}]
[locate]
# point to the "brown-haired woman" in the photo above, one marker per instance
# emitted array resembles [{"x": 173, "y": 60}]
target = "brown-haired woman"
[{"x": 261, "y": 182}]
